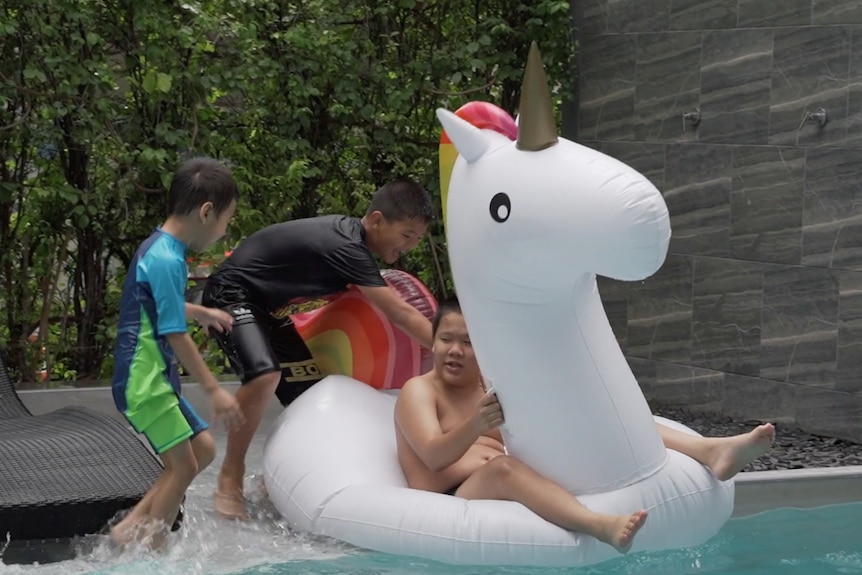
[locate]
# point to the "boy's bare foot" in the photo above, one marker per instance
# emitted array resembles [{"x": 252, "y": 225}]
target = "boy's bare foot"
[
  {"x": 230, "y": 505},
  {"x": 140, "y": 532},
  {"x": 119, "y": 537},
  {"x": 731, "y": 454},
  {"x": 620, "y": 530}
]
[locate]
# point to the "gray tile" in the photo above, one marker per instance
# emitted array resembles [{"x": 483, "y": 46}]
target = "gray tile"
[
  {"x": 832, "y": 220},
  {"x": 854, "y": 96},
  {"x": 667, "y": 85},
  {"x": 615, "y": 300},
  {"x": 726, "y": 308},
  {"x": 594, "y": 16},
  {"x": 830, "y": 413},
  {"x": 607, "y": 85},
  {"x": 594, "y": 144},
  {"x": 810, "y": 71},
  {"x": 761, "y": 399},
  {"x": 648, "y": 159},
  {"x": 644, "y": 371},
  {"x": 673, "y": 385},
  {"x": 702, "y": 14},
  {"x": 735, "y": 80},
  {"x": 707, "y": 390},
  {"x": 694, "y": 388},
  {"x": 848, "y": 376},
  {"x": 638, "y": 15},
  {"x": 698, "y": 181},
  {"x": 800, "y": 325},
  {"x": 781, "y": 13},
  {"x": 766, "y": 204},
  {"x": 836, "y": 12},
  {"x": 659, "y": 313}
]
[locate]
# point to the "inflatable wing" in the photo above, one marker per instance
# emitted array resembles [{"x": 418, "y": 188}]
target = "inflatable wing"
[{"x": 350, "y": 336}]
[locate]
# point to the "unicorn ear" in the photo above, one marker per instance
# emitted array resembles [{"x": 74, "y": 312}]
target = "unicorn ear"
[{"x": 470, "y": 141}]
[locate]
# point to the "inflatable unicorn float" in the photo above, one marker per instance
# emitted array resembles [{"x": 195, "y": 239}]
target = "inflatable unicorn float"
[{"x": 530, "y": 219}]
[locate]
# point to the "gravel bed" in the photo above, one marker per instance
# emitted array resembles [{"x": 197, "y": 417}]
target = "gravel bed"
[{"x": 793, "y": 448}]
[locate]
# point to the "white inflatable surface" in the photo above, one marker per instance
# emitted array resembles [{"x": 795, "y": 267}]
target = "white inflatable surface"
[
  {"x": 331, "y": 468},
  {"x": 529, "y": 224}
]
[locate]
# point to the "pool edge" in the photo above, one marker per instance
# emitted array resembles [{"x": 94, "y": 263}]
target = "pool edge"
[
  {"x": 756, "y": 491},
  {"x": 759, "y": 491}
]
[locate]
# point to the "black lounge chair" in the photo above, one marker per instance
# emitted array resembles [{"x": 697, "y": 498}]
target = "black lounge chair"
[{"x": 65, "y": 473}]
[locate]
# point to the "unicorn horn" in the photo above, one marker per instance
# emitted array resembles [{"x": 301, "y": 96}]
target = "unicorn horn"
[{"x": 537, "y": 129}]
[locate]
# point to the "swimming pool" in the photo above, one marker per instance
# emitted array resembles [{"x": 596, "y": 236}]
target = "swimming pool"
[
  {"x": 819, "y": 541},
  {"x": 823, "y": 540}
]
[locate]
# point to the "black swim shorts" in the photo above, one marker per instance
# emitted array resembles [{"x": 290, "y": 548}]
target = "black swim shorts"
[{"x": 259, "y": 343}]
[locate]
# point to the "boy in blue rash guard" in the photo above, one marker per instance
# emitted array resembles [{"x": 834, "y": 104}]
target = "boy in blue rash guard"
[{"x": 153, "y": 336}]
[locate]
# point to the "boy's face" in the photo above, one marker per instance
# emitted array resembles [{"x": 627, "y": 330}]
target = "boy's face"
[
  {"x": 391, "y": 238},
  {"x": 454, "y": 359},
  {"x": 212, "y": 226}
]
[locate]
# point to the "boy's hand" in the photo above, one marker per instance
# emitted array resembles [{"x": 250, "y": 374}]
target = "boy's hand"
[
  {"x": 226, "y": 409},
  {"x": 489, "y": 413},
  {"x": 215, "y": 319}
]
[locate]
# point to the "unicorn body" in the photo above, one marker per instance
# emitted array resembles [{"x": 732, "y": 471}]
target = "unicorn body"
[{"x": 529, "y": 224}]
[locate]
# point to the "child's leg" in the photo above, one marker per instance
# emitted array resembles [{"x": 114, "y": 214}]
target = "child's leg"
[
  {"x": 180, "y": 470},
  {"x": 252, "y": 397},
  {"x": 506, "y": 478},
  {"x": 170, "y": 435},
  {"x": 725, "y": 456},
  {"x": 248, "y": 348},
  {"x": 203, "y": 446},
  {"x": 122, "y": 532}
]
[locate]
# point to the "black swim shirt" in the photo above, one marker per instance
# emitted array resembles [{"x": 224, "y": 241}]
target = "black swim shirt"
[{"x": 300, "y": 259}]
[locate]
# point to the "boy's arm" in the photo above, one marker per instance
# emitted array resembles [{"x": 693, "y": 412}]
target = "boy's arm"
[
  {"x": 193, "y": 311},
  {"x": 188, "y": 354},
  {"x": 416, "y": 417},
  {"x": 224, "y": 404},
  {"x": 209, "y": 318},
  {"x": 401, "y": 313}
]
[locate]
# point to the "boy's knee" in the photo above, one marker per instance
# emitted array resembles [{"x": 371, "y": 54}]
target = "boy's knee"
[
  {"x": 185, "y": 470},
  {"x": 503, "y": 467},
  {"x": 263, "y": 385},
  {"x": 204, "y": 448}
]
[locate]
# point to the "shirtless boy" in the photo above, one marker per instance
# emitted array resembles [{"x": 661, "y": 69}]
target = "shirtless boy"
[{"x": 449, "y": 442}]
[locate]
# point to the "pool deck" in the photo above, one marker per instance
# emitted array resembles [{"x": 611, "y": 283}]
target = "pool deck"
[{"x": 756, "y": 491}]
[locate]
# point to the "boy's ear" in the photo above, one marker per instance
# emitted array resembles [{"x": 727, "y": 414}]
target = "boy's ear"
[
  {"x": 205, "y": 210},
  {"x": 375, "y": 218}
]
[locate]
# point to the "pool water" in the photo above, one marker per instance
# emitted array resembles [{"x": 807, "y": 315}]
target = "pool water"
[{"x": 822, "y": 541}]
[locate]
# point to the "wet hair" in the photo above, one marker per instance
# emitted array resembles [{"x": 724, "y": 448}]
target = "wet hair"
[
  {"x": 402, "y": 199},
  {"x": 445, "y": 308},
  {"x": 198, "y": 181}
]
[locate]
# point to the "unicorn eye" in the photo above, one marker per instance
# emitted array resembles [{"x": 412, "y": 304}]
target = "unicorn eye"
[{"x": 500, "y": 207}]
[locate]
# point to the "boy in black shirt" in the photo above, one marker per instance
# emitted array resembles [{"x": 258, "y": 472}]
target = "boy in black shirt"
[{"x": 298, "y": 260}]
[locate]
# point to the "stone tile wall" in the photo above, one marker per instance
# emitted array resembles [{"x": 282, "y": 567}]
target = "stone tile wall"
[{"x": 757, "y": 312}]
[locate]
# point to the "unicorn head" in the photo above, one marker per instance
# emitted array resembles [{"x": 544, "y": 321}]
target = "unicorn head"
[
  {"x": 542, "y": 210},
  {"x": 529, "y": 223}
]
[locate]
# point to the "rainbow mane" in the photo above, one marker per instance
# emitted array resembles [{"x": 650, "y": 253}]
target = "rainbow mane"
[
  {"x": 483, "y": 115},
  {"x": 350, "y": 336}
]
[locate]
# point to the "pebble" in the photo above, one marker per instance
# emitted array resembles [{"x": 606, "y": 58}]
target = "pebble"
[{"x": 793, "y": 448}]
